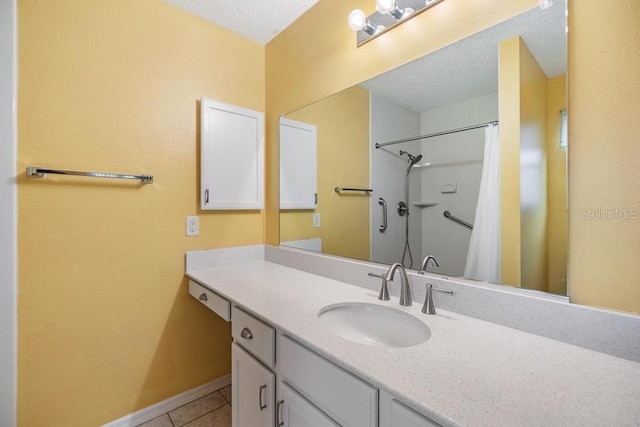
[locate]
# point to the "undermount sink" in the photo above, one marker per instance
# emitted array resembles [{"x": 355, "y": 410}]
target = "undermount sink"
[{"x": 373, "y": 324}]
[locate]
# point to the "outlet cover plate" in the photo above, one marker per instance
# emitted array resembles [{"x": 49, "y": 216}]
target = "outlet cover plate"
[{"x": 192, "y": 226}]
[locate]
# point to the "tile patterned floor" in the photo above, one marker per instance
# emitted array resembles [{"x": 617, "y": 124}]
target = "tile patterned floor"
[{"x": 212, "y": 410}]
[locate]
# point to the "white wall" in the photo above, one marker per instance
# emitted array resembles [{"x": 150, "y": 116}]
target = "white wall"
[
  {"x": 390, "y": 121},
  {"x": 8, "y": 279},
  {"x": 456, "y": 159}
]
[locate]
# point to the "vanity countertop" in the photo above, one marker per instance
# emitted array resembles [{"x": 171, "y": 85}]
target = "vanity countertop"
[{"x": 469, "y": 373}]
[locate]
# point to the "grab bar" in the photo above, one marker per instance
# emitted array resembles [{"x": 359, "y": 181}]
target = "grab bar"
[
  {"x": 341, "y": 189},
  {"x": 35, "y": 172},
  {"x": 447, "y": 214},
  {"x": 382, "y": 203}
]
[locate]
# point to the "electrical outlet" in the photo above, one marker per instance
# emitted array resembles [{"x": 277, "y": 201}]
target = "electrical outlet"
[
  {"x": 193, "y": 226},
  {"x": 316, "y": 220}
]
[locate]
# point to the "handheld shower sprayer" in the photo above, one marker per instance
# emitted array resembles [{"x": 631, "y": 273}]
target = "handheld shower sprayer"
[
  {"x": 412, "y": 159},
  {"x": 407, "y": 248}
]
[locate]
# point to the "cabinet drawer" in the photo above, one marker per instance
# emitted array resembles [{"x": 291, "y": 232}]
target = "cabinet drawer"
[
  {"x": 255, "y": 336},
  {"x": 215, "y": 302},
  {"x": 394, "y": 413},
  {"x": 344, "y": 397}
]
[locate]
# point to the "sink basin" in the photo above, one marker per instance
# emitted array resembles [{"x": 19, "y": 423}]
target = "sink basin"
[{"x": 373, "y": 324}]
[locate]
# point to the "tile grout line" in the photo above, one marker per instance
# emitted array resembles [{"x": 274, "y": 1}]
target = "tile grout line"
[
  {"x": 210, "y": 412},
  {"x": 168, "y": 414},
  {"x": 189, "y": 403}
]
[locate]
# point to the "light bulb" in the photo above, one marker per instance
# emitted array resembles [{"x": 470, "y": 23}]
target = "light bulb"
[
  {"x": 546, "y": 4},
  {"x": 428, "y": 2},
  {"x": 357, "y": 20},
  {"x": 385, "y": 6}
]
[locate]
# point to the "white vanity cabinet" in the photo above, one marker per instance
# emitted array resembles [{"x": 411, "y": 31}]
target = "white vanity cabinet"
[
  {"x": 341, "y": 395},
  {"x": 293, "y": 410},
  {"x": 254, "y": 383},
  {"x": 253, "y": 391},
  {"x": 279, "y": 382}
]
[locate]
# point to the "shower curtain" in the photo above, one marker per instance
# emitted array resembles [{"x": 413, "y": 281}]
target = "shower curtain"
[{"x": 483, "y": 258}]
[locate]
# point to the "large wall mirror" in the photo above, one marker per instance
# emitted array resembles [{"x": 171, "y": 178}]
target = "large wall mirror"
[{"x": 460, "y": 155}]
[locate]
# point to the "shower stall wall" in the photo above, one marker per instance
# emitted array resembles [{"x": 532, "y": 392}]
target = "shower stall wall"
[{"x": 388, "y": 171}]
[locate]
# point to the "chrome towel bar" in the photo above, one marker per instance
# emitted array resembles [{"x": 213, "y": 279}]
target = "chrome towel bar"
[
  {"x": 447, "y": 214},
  {"x": 342, "y": 189},
  {"x": 35, "y": 172}
]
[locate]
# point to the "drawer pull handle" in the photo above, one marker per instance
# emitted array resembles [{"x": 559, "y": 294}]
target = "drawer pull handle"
[
  {"x": 279, "y": 421},
  {"x": 246, "y": 334},
  {"x": 203, "y": 297},
  {"x": 262, "y": 406}
]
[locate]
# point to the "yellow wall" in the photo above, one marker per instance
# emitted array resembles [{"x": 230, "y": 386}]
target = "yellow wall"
[
  {"x": 509, "y": 116},
  {"x": 523, "y": 173},
  {"x": 556, "y": 187},
  {"x": 342, "y": 121},
  {"x": 533, "y": 172},
  {"x": 317, "y": 56},
  {"x": 106, "y": 325},
  {"x": 604, "y": 148}
]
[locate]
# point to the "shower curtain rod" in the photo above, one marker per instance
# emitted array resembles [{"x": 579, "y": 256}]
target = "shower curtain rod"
[{"x": 431, "y": 135}]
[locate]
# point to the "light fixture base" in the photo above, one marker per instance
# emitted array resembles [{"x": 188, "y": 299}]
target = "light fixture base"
[{"x": 387, "y": 22}]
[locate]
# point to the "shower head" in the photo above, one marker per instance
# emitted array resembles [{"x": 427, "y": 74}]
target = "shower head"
[{"x": 412, "y": 159}]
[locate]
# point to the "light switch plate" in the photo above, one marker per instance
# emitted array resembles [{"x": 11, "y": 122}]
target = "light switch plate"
[{"x": 316, "y": 220}]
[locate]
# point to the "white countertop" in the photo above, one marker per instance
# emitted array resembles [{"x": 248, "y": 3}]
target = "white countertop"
[{"x": 469, "y": 373}]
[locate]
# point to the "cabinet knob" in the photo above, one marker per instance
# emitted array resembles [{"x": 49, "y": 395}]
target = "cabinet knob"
[
  {"x": 246, "y": 334},
  {"x": 279, "y": 420},
  {"x": 203, "y": 297}
]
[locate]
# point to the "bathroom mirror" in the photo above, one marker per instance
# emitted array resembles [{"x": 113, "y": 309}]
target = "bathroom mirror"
[{"x": 504, "y": 181}]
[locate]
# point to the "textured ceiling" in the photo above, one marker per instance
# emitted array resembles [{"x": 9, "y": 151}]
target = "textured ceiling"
[
  {"x": 469, "y": 69},
  {"x": 258, "y": 20}
]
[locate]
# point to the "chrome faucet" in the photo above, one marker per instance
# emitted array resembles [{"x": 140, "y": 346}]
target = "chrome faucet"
[
  {"x": 405, "y": 290},
  {"x": 428, "y": 307},
  {"x": 425, "y": 263}
]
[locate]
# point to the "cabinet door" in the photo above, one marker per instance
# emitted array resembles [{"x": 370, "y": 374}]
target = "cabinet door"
[
  {"x": 253, "y": 391},
  {"x": 232, "y": 157},
  {"x": 294, "y": 410},
  {"x": 394, "y": 413},
  {"x": 298, "y": 165}
]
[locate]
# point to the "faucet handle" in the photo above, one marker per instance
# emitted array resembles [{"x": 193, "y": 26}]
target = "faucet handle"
[
  {"x": 429, "y": 307},
  {"x": 384, "y": 290}
]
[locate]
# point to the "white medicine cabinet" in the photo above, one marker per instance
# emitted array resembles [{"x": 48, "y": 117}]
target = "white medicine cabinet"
[
  {"x": 232, "y": 157},
  {"x": 298, "y": 165}
]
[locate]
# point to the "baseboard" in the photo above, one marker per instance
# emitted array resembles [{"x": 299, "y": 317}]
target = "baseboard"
[{"x": 167, "y": 405}]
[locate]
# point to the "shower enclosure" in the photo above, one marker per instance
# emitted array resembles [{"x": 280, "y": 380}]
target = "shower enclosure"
[{"x": 428, "y": 177}]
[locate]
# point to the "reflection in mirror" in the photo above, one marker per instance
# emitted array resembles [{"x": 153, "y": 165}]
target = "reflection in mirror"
[{"x": 465, "y": 154}]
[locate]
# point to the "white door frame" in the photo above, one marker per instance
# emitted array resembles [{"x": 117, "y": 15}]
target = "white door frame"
[{"x": 8, "y": 213}]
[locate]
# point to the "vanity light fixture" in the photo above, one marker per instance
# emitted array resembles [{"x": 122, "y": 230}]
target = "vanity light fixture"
[
  {"x": 391, "y": 7},
  {"x": 389, "y": 14}
]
